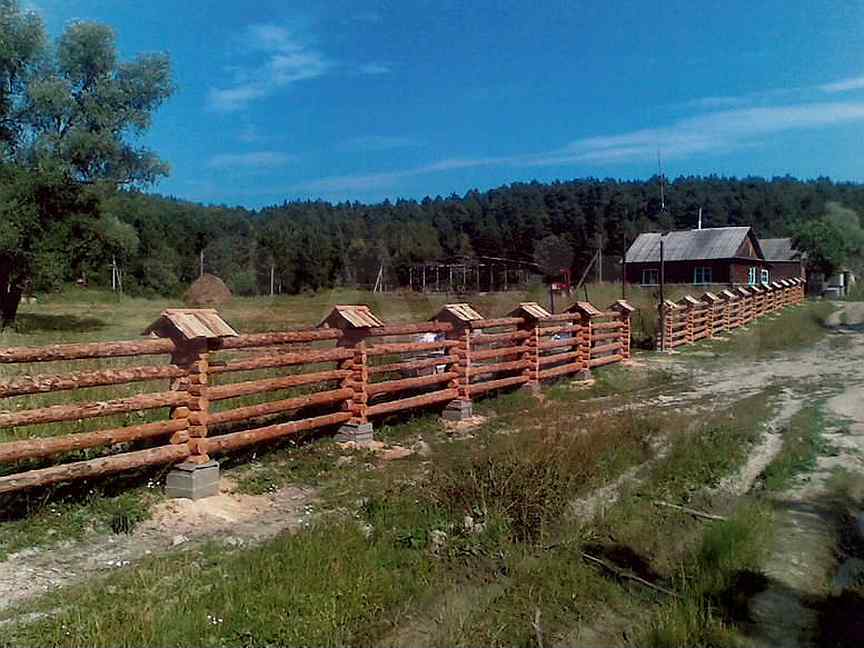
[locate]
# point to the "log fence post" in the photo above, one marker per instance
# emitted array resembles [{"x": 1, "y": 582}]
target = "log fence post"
[
  {"x": 586, "y": 313},
  {"x": 459, "y": 317},
  {"x": 625, "y": 313},
  {"x": 194, "y": 333},
  {"x": 356, "y": 323}
]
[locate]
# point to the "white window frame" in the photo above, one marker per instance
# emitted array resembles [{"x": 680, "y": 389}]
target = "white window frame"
[
  {"x": 751, "y": 276},
  {"x": 649, "y": 272},
  {"x": 766, "y": 276},
  {"x": 706, "y": 273}
]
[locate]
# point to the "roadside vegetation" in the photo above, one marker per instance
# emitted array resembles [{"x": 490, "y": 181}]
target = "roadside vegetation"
[{"x": 477, "y": 544}]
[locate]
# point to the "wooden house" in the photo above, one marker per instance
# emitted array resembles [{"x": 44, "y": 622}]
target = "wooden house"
[
  {"x": 786, "y": 262},
  {"x": 716, "y": 256}
]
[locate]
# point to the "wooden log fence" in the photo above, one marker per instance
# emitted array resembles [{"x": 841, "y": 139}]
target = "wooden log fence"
[
  {"x": 690, "y": 320},
  {"x": 208, "y": 390}
]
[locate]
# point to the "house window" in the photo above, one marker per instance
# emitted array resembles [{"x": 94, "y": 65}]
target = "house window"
[
  {"x": 701, "y": 275},
  {"x": 650, "y": 277},
  {"x": 764, "y": 276},
  {"x": 751, "y": 276}
]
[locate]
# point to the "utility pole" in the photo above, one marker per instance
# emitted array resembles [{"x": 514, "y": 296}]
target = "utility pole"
[
  {"x": 272, "y": 278},
  {"x": 662, "y": 297},
  {"x": 201, "y": 263},
  {"x": 113, "y": 273}
]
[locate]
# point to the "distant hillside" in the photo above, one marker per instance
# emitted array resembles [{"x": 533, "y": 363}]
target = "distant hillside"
[{"x": 317, "y": 244}]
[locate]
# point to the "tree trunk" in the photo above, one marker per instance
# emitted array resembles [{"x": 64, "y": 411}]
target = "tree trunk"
[
  {"x": 10, "y": 298},
  {"x": 10, "y": 295}
]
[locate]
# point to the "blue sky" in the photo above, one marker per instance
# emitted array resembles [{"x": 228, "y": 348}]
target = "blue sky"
[{"x": 369, "y": 100}]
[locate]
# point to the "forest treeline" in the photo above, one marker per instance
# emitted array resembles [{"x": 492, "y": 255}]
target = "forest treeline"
[{"x": 316, "y": 244}]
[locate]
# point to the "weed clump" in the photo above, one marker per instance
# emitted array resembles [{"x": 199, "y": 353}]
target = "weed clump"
[{"x": 529, "y": 478}]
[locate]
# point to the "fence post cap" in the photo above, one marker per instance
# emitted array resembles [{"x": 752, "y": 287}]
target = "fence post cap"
[
  {"x": 531, "y": 311},
  {"x": 584, "y": 308},
  {"x": 460, "y": 315},
  {"x": 688, "y": 300},
  {"x": 351, "y": 317},
  {"x": 622, "y": 306},
  {"x": 190, "y": 324},
  {"x": 710, "y": 297}
]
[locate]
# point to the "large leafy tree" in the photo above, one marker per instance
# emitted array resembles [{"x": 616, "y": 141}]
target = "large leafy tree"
[{"x": 70, "y": 114}]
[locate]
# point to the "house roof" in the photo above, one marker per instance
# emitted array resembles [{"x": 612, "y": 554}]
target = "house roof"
[
  {"x": 689, "y": 245},
  {"x": 779, "y": 249}
]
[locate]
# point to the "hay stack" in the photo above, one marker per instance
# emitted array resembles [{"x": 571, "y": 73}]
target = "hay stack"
[{"x": 207, "y": 290}]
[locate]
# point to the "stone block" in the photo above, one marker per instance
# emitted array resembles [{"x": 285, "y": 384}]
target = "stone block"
[
  {"x": 193, "y": 481},
  {"x": 458, "y": 410},
  {"x": 356, "y": 432}
]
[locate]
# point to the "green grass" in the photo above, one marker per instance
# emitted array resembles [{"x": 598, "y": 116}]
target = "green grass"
[
  {"x": 713, "y": 582},
  {"x": 802, "y": 444},
  {"x": 49, "y": 522}
]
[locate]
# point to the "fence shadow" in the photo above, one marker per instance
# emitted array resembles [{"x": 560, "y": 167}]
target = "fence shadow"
[{"x": 38, "y": 323}]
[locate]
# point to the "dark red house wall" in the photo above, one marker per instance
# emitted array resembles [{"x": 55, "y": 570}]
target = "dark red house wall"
[
  {"x": 786, "y": 270},
  {"x": 724, "y": 271}
]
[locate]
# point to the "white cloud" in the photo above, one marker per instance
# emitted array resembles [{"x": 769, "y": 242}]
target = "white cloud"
[
  {"x": 254, "y": 160},
  {"x": 844, "y": 85},
  {"x": 711, "y": 132},
  {"x": 374, "y": 69},
  {"x": 287, "y": 59}
]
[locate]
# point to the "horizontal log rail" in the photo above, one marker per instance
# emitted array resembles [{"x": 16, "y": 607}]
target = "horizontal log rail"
[
  {"x": 409, "y": 347},
  {"x": 409, "y": 329},
  {"x": 558, "y": 344},
  {"x": 280, "y": 406},
  {"x": 563, "y": 317},
  {"x": 285, "y": 337},
  {"x": 496, "y": 322},
  {"x": 600, "y": 337},
  {"x": 563, "y": 370},
  {"x": 390, "y": 386},
  {"x": 563, "y": 328},
  {"x": 47, "y": 383},
  {"x": 58, "y": 413},
  {"x": 558, "y": 357},
  {"x": 607, "y": 326},
  {"x": 500, "y": 352},
  {"x": 483, "y": 387},
  {"x": 409, "y": 365},
  {"x": 493, "y": 338},
  {"x": 599, "y": 362},
  {"x": 605, "y": 348},
  {"x": 498, "y": 367},
  {"x": 413, "y": 402},
  {"x": 235, "y": 390},
  {"x": 89, "y": 350},
  {"x": 282, "y": 360},
  {"x": 37, "y": 448},
  {"x": 168, "y": 454},
  {"x": 236, "y": 440}
]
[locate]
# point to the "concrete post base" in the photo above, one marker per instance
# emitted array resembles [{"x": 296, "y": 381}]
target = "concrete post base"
[
  {"x": 458, "y": 410},
  {"x": 532, "y": 388},
  {"x": 356, "y": 432},
  {"x": 193, "y": 481}
]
